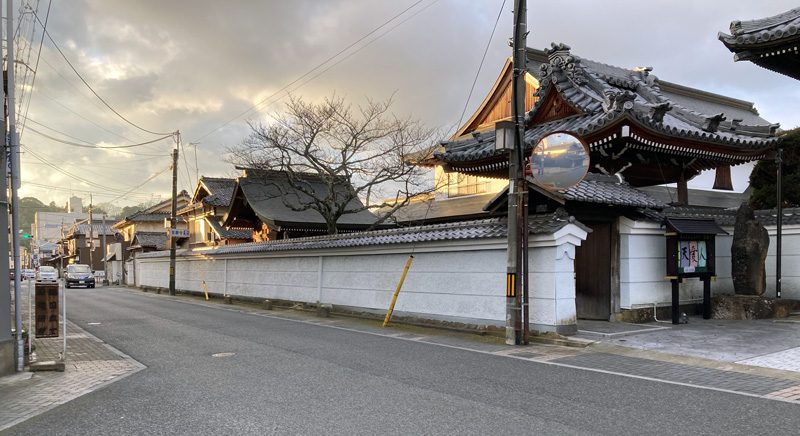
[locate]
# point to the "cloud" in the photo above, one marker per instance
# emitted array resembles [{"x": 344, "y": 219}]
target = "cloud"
[{"x": 195, "y": 65}]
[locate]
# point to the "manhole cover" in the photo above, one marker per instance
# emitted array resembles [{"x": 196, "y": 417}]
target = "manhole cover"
[{"x": 222, "y": 354}]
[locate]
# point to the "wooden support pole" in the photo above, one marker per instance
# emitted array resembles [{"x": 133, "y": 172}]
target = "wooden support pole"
[
  {"x": 676, "y": 304},
  {"x": 397, "y": 291},
  {"x": 707, "y": 298}
]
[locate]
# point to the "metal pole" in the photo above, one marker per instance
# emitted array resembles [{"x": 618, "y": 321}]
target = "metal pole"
[
  {"x": 15, "y": 177},
  {"x": 172, "y": 220},
  {"x": 104, "y": 252},
  {"x": 516, "y": 184},
  {"x": 779, "y": 161}
]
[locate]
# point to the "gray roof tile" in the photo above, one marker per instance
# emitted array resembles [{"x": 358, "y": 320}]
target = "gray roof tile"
[
  {"x": 479, "y": 229},
  {"x": 606, "y": 94},
  {"x": 723, "y": 217},
  {"x": 746, "y": 33}
]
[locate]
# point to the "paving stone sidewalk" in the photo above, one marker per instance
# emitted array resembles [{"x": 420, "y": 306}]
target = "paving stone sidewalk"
[{"x": 90, "y": 365}]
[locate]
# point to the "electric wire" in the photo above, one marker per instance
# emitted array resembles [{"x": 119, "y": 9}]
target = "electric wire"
[
  {"x": 67, "y": 173},
  {"x": 139, "y": 186},
  {"x": 43, "y": 94},
  {"x": 318, "y": 66},
  {"x": 35, "y": 68},
  {"x": 480, "y": 66},
  {"x": 95, "y": 146},
  {"x": 105, "y": 103}
]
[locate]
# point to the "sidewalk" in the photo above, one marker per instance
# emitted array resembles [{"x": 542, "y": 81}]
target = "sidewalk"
[{"x": 90, "y": 365}]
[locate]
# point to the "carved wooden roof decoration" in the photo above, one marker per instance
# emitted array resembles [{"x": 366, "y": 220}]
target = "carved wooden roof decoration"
[{"x": 772, "y": 43}]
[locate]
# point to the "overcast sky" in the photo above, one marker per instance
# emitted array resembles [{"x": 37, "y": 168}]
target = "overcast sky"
[{"x": 195, "y": 66}]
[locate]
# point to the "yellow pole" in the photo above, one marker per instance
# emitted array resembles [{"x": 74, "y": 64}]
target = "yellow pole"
[
  {"x": 205, "y": 289},
  {"x": 397, "y": 291}
]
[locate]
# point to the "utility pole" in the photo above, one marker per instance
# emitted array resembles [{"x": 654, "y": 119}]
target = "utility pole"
[
  {"x": 91, "y": 235},
  {"x": 516, "y": 185},
  {"x": 173, "y": 219},
  {"x": 13, "y": 145},
  {"x": 6, "y": 339},
  {"x": 104, "y": 252},
  {"x": 779, "y": 171}
]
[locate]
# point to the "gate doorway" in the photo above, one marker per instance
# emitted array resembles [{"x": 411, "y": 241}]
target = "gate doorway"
[{"x": 593, "y": 260}]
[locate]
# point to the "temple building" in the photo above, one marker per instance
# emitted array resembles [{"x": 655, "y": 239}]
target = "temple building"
[{"x": 640, "y": 132}]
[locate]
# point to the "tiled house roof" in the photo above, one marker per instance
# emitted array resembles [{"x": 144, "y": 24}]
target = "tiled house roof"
[
  {"x": 464, "y": 230},
  {"x": 232, "y": 233},
  {"x": 220, "y": 190},
  {"x": 276, "y": 202},
  {"x": 154, "y": 240}
]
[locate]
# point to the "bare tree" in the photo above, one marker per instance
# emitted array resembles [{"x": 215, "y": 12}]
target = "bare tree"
[{"x": 364, "y": 156}]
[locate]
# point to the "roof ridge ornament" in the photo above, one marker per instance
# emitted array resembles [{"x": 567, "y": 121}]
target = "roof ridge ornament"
[
  {"x": 711, "y": 124},
  {"x": 618, "y": 100}
]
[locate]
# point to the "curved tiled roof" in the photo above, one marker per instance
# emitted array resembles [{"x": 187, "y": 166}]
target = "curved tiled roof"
[
  {"x": 605, "y": 94},
  {"x": 759, "y": 31}
]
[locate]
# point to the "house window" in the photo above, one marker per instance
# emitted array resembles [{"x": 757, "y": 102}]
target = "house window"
[{"x": 462, "y": 184}]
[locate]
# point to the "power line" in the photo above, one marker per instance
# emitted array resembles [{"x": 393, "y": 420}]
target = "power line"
[
  {"x": 67, "y": 173},
  {"x": 76, "y": 113},
  {"x": 139, "y": 186},
  {"x": 35, "y": 68},
  {"x": 90, "y": 145},
  {"x": 309, "y": 72},
  {"x": 480, "y": 66},
  {"x": 89, "y": 86},
  {"x": 138, "y": 196}
]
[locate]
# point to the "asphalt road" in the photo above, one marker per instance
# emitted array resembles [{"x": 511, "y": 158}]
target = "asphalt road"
[{"x": 293, "y": 378}]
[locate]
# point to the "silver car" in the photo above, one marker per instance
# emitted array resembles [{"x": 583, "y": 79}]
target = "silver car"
[{"x": 47, "y": 274}]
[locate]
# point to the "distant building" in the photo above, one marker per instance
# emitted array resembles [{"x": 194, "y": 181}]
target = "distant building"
[
  {"x": 75, "y": 205},
  {"x": 52, "y": 226}
]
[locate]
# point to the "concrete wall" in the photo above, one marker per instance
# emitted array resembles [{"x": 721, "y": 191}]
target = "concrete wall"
[
  {"x": 642, "y": 266},
  {"x": 462, "y": 281}
]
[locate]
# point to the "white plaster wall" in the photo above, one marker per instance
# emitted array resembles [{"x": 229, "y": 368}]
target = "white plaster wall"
[
  {"x": 642, "y": 266},
  {"x": 461, "y": 281},
  {"x": 790, "y": 264}
]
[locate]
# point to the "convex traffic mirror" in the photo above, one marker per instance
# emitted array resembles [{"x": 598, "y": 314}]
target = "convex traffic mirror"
[{"x": 559, "y": 161}]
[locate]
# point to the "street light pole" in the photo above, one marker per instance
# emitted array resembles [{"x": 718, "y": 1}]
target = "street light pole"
[{"x": 516, "y": 184}]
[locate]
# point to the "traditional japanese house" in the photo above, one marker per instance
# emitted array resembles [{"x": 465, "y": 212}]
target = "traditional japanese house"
[
  {"x": 640, "y": 132},
  {"x": 273, "y": 208},
  {"x": 204, "y": 214},
  {"x": 772, "y": 42}
]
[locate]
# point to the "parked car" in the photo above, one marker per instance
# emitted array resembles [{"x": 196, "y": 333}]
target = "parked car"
[
  {"x": 79, "y": 275},
  {"x": 27, "y": 273},
  {"x": 47, "y": 274}
]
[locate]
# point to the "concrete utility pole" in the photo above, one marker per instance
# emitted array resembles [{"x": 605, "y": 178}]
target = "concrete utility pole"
[
  {"x": 779, "y": 171},
  {"x": 91, "y": 234},
  {"x": 104, "y": 252},
  {"x": 516, "y": 185},
  {"x": 15, "y": 177},
  {"x": 173, "y": 219},
  {"x": 6, "y": 341}
]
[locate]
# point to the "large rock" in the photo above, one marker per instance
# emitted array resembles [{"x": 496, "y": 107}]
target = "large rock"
[{"x": 749, "y": 253}]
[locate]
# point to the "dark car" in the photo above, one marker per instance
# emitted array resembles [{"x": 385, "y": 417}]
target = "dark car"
[{"x": 79, "y": 275}]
